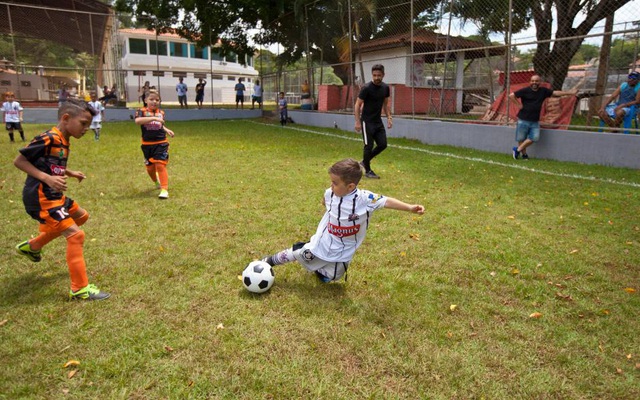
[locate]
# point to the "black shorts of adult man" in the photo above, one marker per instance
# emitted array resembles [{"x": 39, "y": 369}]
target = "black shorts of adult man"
[{"x": 373, "y": 98}]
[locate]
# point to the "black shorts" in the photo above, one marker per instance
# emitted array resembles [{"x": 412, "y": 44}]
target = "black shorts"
[
  {"x": 14, "y": 125},
  {"x": 199, "y": 97},
  {"x": 239, "y": 98},
  {"x": 155, "y": 153}
]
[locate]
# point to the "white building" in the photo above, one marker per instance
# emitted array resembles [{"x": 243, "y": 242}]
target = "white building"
[{"x": 162, "y": 59}]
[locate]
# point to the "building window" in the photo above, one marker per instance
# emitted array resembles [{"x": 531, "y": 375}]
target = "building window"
[
  {"x": 162, "y": 47},
  {"x": 199, "y": 76},
  {"x": 158, "y": 73},
  {"x": 8, "y": 83},
  {"x": 179, "y": 74},
  {"x": 232, "y": 57},
  {"x": 215, "y": 55},
  {"x": 231, "y": 78},
  {"x": 25, "y": 83},
  {"x": 139, "y": 73},
  {"x": 197, "y": 52},
  {"x": 217, "y": 77},
  {"x": 178, "y": 49},
  {"x": 250, "y": 61},
  {"x": 137, "y": 46}
]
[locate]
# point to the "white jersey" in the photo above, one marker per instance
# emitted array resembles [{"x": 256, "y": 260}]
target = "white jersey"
[
  {"x": 344, "y": 225},
  {"x": 96, "y": 105},
  {"x": 11, "y": 111}
]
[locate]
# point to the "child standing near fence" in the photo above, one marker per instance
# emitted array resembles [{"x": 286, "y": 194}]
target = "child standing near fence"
[
  {"x": 282, "y": 107},
  {"x": 12, "y": 117},
  {"x": 96, "y": 123},
  {"x": 155, "y": 145}
]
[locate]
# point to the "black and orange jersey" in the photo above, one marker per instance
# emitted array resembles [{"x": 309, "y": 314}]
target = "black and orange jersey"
[
  {"x": 153, "y": 132},
  {"x": 49, "y": 153}
]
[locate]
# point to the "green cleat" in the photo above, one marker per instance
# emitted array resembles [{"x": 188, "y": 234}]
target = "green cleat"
[
  {"x": 24, "y": 249},
  {"x": 89, "y": 292}
]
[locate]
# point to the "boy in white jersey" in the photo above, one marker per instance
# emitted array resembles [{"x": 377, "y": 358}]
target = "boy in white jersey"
[
  {"x": 12, "y": 117},
  {"x": 96, "y": 122},
  {"x": 343, "y": 226}
]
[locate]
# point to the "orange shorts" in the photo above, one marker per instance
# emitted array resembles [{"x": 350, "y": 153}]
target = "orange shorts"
[{"x": 58, "y": 218}]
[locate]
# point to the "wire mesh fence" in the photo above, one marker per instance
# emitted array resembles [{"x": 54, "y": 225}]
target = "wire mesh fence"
[{"x": 448, "y": 59}]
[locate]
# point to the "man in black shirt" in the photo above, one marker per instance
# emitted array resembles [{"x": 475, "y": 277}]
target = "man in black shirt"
[
  {"x": 528, "y": 127},
  {"x": 373, "y": 98}
]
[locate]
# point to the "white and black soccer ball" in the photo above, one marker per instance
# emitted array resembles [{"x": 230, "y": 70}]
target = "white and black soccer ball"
[{"x": 258, "y": 277}]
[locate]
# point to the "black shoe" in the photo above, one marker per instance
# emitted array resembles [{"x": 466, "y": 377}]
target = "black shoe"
[
  {"x": 371, "y": 175},
  {"x": 525, "y": 156}
]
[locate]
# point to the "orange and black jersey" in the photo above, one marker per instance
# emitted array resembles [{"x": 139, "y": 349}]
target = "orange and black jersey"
[
  {"x": 153, "y": 132},
  {"x": 49, "y": 153}
]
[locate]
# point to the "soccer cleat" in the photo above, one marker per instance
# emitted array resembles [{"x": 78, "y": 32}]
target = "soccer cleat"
[
  {"x": 371, "y": 175},
  {"x": 525, "y": 156},
  {"x": 516, "y": 153},
  {"x": 322, "y": 278},
  {"x": 164, "y": 194},
  {"x": 89, "y": 292},
  {"x": 24, "y": 249}
]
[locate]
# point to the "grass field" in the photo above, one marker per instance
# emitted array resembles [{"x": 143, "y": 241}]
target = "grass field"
[{"x": 440, "y": 306}]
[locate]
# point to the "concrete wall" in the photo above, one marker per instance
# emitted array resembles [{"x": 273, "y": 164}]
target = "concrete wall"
[{"x": 611, "y": 149}]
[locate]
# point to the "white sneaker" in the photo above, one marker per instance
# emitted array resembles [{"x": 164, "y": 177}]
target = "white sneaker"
[{"x": 164, "y": 194}]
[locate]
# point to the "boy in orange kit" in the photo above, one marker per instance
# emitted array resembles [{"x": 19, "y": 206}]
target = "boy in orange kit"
[{"x": 45, "y": 162}]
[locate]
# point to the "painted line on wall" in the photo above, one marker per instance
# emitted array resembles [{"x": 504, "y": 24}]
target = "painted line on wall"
[{"x": 474, "y": 159}]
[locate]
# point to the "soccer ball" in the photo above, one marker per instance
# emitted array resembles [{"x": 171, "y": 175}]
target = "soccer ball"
[{"x": 258, "y": 277}]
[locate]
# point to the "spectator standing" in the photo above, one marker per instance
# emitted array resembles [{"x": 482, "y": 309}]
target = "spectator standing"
[
  {"x": 239, "y": 88},
  {"x": 257, "y": 95},
  {"x": 181, "y": 89},
  {"x": 528, "y": 126},
  {"x": 12, "y": 115},
  {"x": 283, "y": 109},
  {"x": 373, "y": 98},
  {"x": 200, "y": 92}
]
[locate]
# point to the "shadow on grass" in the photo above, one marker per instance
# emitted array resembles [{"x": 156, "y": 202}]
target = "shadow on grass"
[{"x": 32, "y": 287}]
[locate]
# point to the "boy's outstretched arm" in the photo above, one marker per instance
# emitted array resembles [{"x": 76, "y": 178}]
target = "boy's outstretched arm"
[{"x": 396, "y": 204}]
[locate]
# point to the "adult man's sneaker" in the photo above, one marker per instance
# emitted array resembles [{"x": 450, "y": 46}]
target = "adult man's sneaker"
[
  {"x": 89, "y": 292},
  {"x": 525, "y": 156},
  {"x": 24, "y": 249},
  {"x": 164, "y": 194},
  {"x": 371, "y": 175},
  {"x": 516, "y": 153}
]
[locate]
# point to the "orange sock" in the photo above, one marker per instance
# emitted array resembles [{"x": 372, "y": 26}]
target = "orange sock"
[
  {"x": 42, "y": 239},
  {"x": 163, "y": 175},
  {"x": 75, "y": 261},
  {"x": 151, "y": 170}
]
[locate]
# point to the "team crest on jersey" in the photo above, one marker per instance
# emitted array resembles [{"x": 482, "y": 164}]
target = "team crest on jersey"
[
  {"x": 307, "y": 255},
  {"x": 353, "y": 217},
  {"x": 343, "y": 231},
  {"x": 57, "y": 170},
  {"x": 374, "y": 197}
]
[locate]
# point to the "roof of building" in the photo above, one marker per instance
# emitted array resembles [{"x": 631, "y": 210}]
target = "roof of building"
[
  {"x": 79, "y": 24},
  {"x": 148, "y": 32},
  {"x": 426, "y": 41}
]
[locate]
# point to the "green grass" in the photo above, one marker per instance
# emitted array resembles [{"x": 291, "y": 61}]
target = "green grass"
[{"x": 498, "y": 242}]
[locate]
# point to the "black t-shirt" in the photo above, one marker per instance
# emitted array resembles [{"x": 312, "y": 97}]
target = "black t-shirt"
[
  {"x": 532, "y": 102},
  {"x": 373, "y": 97}
]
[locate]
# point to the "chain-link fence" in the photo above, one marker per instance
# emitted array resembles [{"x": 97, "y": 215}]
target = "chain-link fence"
[
  {"x": 453, "y": 59},
  {"x": 449, "y": 59}
]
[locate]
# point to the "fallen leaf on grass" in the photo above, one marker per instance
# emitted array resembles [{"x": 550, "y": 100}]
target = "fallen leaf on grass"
[
  {"x": 71, "y": 363},
  {"x": 239, "y": 277},
  {"x": 515, "y": 271},
  {"x": 403, "y": 254},
  {"x": 564, "y": 296},
  {"x": 637, "y": 365},
  {"x": 3, "y": 322},
  {"x": 414, "y": 236},
  {"x": 168, "y": 348},
  {"x": 72, "y": 373},
  {"x": 536, "y": 315},
  {"x": 574, "y": 251},
  {"x": 619, "y": 370},
  {"x": 605, "y": 312},
  {"x": 453, "y": 307},
  {"x": 511, "y": 217},
  {"x": 629, "y": 356},
  {"x": 220, "y": 326},
  {"x": 629, "y": 290}
]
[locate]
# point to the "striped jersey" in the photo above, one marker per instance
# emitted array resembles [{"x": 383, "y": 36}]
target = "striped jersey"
[
  {"x": 153, "y": 132},
  {"x": 11, "y": 111},
  {"x": 49, "y": 153},
  {"x": 344, "y": 224}
]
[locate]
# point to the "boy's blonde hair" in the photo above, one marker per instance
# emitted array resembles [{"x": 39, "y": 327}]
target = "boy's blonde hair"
[
  {"x": 154, "y": 91},
  {"x": 348, "y": 170},
  {"x": 75, "y": 107},
  {"x": 7, "y": 94}
]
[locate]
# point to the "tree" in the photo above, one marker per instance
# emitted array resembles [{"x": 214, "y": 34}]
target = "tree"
[{"x": 552, "y": 62}]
